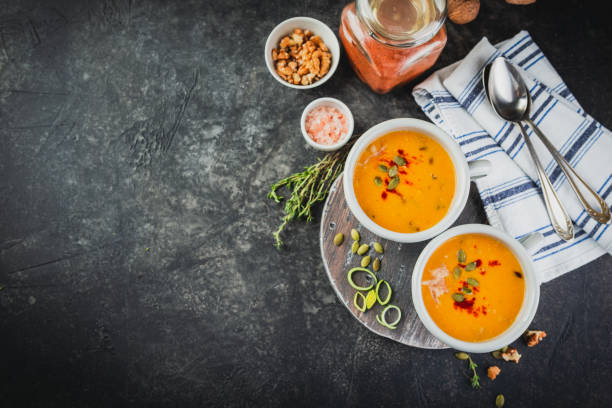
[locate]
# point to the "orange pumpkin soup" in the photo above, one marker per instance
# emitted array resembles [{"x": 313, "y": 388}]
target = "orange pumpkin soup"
[
  {"x": 473, "y": 287},
  {"x": 404, "y": 181}
]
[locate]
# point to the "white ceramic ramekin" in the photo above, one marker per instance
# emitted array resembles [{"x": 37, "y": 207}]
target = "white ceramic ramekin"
[
  {"x": 305, "y": 23},
  {"x": 521, "y": 251},
  {"x": 464, "y": 172},
  {"x": 334, "y": 103}
]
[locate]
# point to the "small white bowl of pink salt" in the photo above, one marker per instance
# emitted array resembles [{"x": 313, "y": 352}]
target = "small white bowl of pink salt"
[{"x": 327, "y": 124}]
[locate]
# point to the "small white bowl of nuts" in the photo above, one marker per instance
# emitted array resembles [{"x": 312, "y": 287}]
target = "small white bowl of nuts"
[{"x": 302, "y": 52}]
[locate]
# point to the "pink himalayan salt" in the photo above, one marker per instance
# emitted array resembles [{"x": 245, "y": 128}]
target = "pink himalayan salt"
[{"x": 326, "y": 125}]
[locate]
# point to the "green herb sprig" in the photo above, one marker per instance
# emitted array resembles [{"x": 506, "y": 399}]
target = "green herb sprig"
[
  {"x": 475, "y": 378},
  {"x": 308, "y": 188}
]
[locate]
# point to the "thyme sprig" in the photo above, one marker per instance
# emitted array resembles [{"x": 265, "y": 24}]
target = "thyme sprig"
[
  {"x": 307, "y": 188},
  {"x": 475, "y": 378}
]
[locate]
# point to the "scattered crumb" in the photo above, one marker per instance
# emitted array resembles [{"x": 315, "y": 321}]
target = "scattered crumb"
[
  {"x": 493, "y": 372},
  {"x": 533, "y": 337},
  {"x": 511, "y": 355}
]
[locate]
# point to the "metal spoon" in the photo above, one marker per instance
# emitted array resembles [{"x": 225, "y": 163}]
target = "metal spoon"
[
  {"x": 510, "y": 99},
  {"x": 580, "y": 187}
]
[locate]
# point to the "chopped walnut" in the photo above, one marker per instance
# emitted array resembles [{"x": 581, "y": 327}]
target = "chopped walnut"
[
  {"x": 493, "y": 372},
  {"x": 511, "y": 355},
  {"x": 302, "y": 58},
  {"x": 533, "y": 337}
]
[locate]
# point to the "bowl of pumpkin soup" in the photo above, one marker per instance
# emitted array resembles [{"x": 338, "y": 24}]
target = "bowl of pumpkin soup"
[
  {"x": 474, "y": 288},
  {"x": 406, "y": 180}
]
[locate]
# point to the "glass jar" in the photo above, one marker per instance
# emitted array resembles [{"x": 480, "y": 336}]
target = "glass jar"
[{"x": 390, "y": 42}]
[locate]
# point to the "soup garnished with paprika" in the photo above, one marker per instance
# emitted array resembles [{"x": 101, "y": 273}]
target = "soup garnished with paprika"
[
  {"x": 404, "y": 181},
  {"x": 473, "y": 287}
]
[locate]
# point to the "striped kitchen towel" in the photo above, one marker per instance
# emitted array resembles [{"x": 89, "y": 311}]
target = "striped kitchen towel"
[{"x": 454, "y": 99}]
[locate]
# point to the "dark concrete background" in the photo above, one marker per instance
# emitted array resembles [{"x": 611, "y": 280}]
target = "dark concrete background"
[{"x": 138, "y": 141}]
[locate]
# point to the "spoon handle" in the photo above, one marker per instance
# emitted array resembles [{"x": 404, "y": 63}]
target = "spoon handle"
[
  {"x": 580, "y": 187},
  {"x": 559, "y": 219}
]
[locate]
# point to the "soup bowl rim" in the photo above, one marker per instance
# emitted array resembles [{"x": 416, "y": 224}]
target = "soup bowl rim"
[
  {"x": 462, "y": 178},
  {"x": 528, "y": 307}
]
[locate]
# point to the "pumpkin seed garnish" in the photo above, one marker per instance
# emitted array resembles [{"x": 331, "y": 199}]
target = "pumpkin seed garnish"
[
  {"x": 378, "y": 248},
  {"x": 457, "y": 272},
  {"x": 376, "y": 265},
  {"x": 466, "y": 290},
  {"x": 462, "y": 356},
  {"x": 472, "y": 281},
  {"x": 393, "y": 183},
  {"x": 496, "y": 354},
  {"x": 393, "y": 171},
  {"x": 339, "y": 239},
  {"x": 365, "y": 261},
  {"x": 355, "y": 247},
  {"x": 499, "y": 401},
  {"x": 378, "y": 181},
  {"x": 399, "y": 160},
  {"x": 383, "y": 168},
  {"x": 470, "y": 267},
  {"x": 363, "y": 249},
  {"x": 355, "y": 235},
  {"x": 458, "y": 297},
  {"x": 461, "y": 256}
]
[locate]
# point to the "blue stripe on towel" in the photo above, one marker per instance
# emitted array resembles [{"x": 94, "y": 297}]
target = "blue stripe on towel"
[
  {"x": 518, "y": 50},
  {"x": 472, "y": 140},
  {"x": 507, "y": 193},
  {"x": 529, "y": 57},
  {"x": 574, "y": 148}
]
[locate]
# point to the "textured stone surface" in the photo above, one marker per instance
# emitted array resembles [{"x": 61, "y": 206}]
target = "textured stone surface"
[{"x": 138, "y": 142}]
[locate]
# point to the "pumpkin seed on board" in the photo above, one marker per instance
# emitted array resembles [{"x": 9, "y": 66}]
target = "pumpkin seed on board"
[
  {"x": 355, "y": 235},
  {"x": 365, "y": 261},
  {"x": 339, "y": 239},
  {"x": 378, "y": 248},
  {"x": 457, "y": 272},
  {"x": 376, "y": 265},
  {"x": 496, "y": 354},
  {"x": 363, "y": 249},
  {"x": 499, "y": 401},
  {"x": 393, "y": 171},
  {"x": 393, "y": 183},
  {"x": 461, "y": 256},
  {"x": 355, "y": 247},
  {"x": 399, "y": 160},
  {"x": 458, "y": 297},
  {"x": 462, "y": 356}
]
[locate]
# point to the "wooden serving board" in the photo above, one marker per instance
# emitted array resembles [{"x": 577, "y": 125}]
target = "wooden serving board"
[{"x": 396, "y": 268}]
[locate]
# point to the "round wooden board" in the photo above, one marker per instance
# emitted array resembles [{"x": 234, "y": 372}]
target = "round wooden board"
[{"x": 396, "y": 268}]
